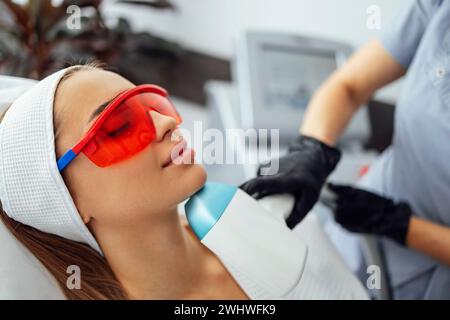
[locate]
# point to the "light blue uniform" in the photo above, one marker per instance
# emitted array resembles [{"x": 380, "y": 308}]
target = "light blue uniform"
[{"x": 416, "y": 168}]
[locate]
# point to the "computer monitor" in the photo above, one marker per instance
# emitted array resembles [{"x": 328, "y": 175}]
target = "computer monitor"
[{"x": 277, "y": 73}]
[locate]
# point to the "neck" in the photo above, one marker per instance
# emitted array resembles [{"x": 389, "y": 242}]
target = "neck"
[{"x": 158, "y": 259}]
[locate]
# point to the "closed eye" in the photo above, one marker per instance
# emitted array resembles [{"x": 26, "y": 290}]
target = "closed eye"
[{"x": 119, "y": 130}]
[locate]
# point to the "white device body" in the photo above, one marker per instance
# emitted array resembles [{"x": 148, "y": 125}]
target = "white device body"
[
  {"x": 251, "y": 240},
  {"x": 248, "y": 238}
]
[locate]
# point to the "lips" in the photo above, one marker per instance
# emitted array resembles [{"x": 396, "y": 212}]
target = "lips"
[{"x": 175, "y": 154}]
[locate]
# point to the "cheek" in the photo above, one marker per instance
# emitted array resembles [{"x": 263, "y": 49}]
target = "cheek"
[
  {"x": 132, "y": 189},
  {"x": 138, "y": 182},
  {"x": 86, "y": 185},
  {"x": 115, "y": 193}
]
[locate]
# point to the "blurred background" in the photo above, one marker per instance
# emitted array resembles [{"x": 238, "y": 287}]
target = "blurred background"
[{"x": 167, "y": 40}]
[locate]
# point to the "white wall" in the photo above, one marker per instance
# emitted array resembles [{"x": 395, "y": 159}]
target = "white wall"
[{"x": 211, "y": 26}]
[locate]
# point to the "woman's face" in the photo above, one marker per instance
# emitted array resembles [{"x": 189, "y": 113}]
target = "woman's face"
[{"x": 134, "y": 189}]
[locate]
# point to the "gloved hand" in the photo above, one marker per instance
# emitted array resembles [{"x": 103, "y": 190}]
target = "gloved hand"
[
  {"x": 365, "y": 212},
  {"x": 302, "y": 173}
]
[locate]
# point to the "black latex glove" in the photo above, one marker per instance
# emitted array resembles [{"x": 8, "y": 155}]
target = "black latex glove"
[
  {"x": 302, "y": 173},
  {"x": 365, "y": 212}
]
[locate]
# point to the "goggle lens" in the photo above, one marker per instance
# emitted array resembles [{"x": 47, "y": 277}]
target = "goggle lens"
[{"x": 128, "y": 129}]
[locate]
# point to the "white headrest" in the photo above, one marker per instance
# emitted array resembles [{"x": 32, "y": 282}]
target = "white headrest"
[
  {"x": 11, "y": 88},
  {"x": 22, "y": 276}
]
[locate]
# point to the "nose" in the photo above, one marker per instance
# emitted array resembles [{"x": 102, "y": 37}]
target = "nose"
[{"x": 164, "y": 125}]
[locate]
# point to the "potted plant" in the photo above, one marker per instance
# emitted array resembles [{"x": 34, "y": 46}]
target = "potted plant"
[{"x": 35, "y": 40}]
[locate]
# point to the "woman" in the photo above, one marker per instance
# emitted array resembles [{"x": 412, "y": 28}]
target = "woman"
[
  {"x": 111, "y": 209},
  {"x": 112, "y": 204},
  {"x": 412, "y": 177}
]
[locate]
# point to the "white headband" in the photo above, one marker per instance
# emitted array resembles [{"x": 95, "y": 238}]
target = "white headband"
[{"x": 32, "y": 190}]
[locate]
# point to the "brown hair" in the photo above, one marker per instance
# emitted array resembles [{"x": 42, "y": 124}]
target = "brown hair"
[{"x": 57, "y": 254}]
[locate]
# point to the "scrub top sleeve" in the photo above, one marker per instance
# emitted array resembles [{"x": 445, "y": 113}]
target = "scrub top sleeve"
[{"x": 402, "y": 35}]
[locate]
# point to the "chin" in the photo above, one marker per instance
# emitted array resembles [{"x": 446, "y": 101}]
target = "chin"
[
  {"x": 199, "y": 176},
  {"x": 196, "y": 178},
  {"x": 187, "y": 180}
]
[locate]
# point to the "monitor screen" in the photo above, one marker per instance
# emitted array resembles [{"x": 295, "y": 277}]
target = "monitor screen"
[{"x": 290, "y": 75}]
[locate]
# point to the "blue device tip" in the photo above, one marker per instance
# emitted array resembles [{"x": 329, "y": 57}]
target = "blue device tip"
[{"x": 206, "y": 206}]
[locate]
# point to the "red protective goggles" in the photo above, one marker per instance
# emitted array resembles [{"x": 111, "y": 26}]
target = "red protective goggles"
[{"x": 124, "y": 128}]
